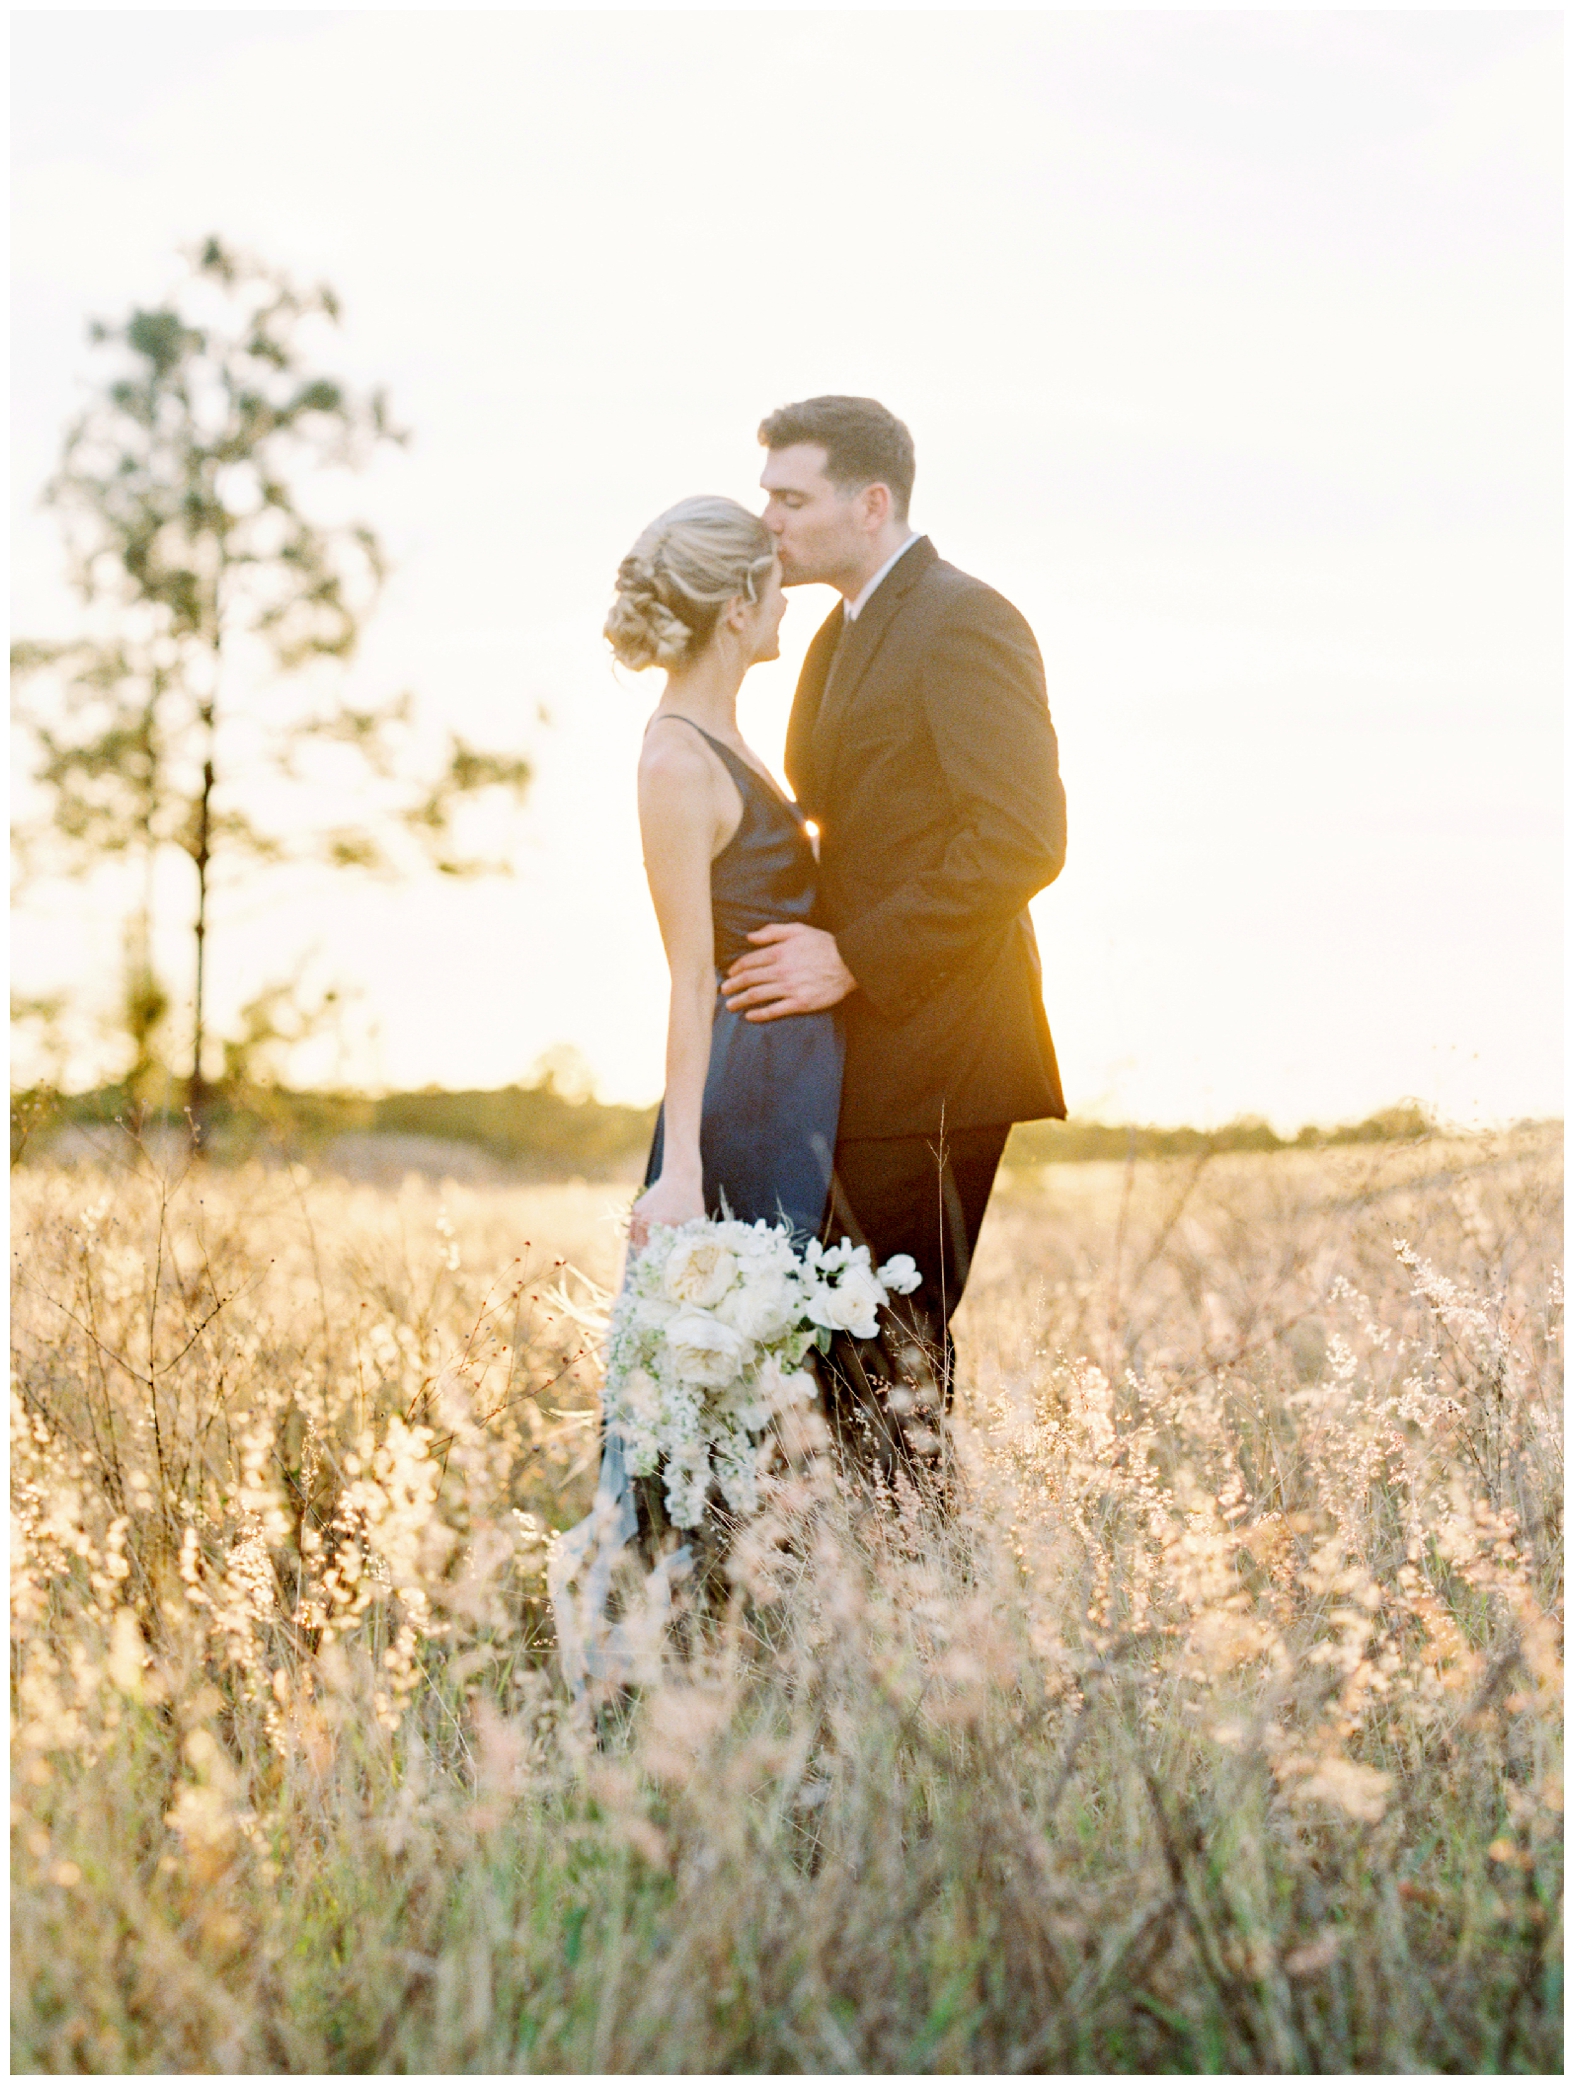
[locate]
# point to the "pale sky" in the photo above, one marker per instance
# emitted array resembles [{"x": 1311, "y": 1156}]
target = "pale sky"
[{"x": 1231, "y": 346}]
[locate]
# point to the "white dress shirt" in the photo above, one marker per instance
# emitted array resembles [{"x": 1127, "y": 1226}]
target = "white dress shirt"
[{"x": 852, "y": 609}]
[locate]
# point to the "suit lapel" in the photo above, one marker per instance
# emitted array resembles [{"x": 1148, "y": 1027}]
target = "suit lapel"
[
  {"x": 859, "y": 649},
  {"x": 810, "y": 692}
]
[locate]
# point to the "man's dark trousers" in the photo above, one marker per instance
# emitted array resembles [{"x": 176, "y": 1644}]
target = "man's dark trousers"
[{"x": 924, "y": 1196}]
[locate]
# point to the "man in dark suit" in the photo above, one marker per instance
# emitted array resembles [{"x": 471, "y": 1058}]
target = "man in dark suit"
[{"x": 920, "y": 744}]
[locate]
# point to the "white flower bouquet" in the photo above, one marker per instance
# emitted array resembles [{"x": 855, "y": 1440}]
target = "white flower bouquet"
[{"x": 707, "y": 1342}]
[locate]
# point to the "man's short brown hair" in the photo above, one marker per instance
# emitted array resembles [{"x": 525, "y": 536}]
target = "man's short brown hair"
[{"x": 863, "y": 443}]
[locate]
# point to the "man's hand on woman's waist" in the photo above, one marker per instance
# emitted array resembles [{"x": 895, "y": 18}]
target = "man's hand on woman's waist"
[{"x": 792, "y": 969}]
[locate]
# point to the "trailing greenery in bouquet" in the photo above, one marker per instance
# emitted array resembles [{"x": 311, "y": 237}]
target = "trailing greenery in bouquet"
[{"x": 707, "y": 1344}]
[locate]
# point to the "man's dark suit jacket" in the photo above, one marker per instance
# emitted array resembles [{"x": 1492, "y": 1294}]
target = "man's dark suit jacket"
[{"x": 924, "y": 752}]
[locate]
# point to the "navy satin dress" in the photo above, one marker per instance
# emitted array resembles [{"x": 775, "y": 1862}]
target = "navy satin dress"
[{"x": 774, "y": 1088}]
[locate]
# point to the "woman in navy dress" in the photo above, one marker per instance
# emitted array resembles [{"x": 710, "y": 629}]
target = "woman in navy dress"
[{"x": 748, "y": 1121}]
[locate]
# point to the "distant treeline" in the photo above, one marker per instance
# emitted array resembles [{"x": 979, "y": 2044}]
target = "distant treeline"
[
  {"x": 1049, "y": 1143},
  {"x": 546, "y": 1133},
  {"x": 537, "y": 1129}
]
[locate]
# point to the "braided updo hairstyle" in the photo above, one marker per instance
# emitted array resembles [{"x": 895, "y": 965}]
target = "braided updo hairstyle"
[{"x": 680, "y": 575}]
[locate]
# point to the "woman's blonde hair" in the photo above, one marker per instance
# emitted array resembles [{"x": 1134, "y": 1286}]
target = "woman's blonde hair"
[{"x": 680, "y": 575}]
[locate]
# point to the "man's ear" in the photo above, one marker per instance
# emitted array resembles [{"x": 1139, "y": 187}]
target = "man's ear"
[{"x": 876, "y": 503}]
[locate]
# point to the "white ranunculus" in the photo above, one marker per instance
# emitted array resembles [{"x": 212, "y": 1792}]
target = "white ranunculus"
[
  {"x": 699, "y": 1270},
  {"x": 704, "y": 1350},
  {"x": 900, "y": 1274},
  {"x": 762, "y": 1306},
  {"x": 851, "y": 1305}
]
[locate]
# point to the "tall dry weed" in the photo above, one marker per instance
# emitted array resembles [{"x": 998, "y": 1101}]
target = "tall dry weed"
[{"x": 1218, "y": 1729}]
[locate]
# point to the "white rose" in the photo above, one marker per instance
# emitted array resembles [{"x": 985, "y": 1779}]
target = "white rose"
[
  {"x": 851, "y": 1305},
  {"x": 704, "y": 1350},
  {"x": 763, "y": 1306},
  {"x": 901, "y": 1274},
  {"x": 700, "y": 1270}
]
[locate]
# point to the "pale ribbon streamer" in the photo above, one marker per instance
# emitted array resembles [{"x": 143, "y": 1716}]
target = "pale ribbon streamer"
[{"x": 579, "y": 1579}]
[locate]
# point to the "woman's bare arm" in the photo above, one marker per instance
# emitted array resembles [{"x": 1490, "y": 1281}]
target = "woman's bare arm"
[{"x": 685, "y": 820}]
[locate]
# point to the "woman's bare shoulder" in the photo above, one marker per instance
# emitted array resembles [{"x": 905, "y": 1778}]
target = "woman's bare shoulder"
[
  {"x": 673, "y": 755},
  {"x": 684, "y": 791}
]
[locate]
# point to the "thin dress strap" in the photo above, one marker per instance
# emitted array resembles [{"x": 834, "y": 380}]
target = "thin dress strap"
[
  {"x": 673, "y": 716},
  {"x": 732, "y": 759}
]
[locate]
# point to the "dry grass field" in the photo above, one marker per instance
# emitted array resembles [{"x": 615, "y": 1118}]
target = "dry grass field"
[{"x": 1219, "y": 1731}]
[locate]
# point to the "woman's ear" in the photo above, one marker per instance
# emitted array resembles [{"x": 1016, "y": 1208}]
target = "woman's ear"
[{"x": 737, "y": 612}]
